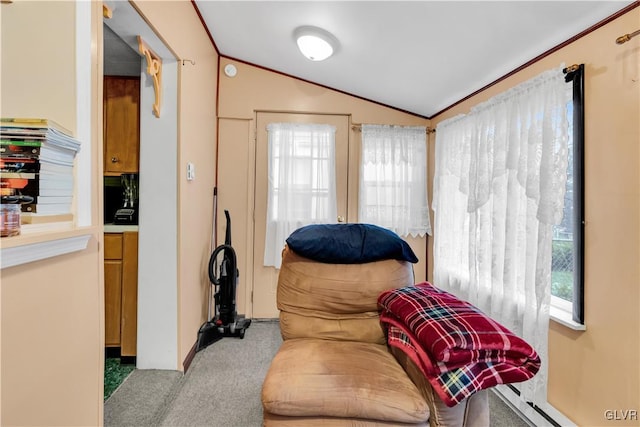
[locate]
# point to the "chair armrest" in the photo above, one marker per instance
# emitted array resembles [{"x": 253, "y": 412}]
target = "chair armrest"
[{"x": 472, "y": 412}]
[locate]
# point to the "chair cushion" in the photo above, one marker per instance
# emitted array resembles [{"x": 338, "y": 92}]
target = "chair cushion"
[
  {"x": 364, "y": 327},
  {"x": 349, "y": 243},
  {"x": 306, "y": 285},
  {"x": 335, "y": 301},
  {"x": 315, "y": 378}
]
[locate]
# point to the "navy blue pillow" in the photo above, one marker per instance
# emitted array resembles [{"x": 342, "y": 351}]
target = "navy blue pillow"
[{"x": 349, "y": 244}]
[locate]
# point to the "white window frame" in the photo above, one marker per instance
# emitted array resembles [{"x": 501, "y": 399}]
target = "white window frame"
[{"x": 560, "y": 310}]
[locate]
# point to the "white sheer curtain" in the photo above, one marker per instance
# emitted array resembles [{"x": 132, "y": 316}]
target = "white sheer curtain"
[
  {"x": 499, "y": 189},
  {"x": 301, "y": 182},
  {"x": 393, "y": 179}
]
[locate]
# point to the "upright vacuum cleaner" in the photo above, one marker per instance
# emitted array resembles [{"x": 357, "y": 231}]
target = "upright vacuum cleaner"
[{"x": 225, "y": 321}]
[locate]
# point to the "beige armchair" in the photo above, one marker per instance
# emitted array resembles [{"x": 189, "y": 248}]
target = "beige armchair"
[{"x": 334, "y": 367}]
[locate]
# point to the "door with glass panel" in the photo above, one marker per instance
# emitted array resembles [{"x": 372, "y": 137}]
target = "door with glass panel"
[{"x": 304, "y": 193}]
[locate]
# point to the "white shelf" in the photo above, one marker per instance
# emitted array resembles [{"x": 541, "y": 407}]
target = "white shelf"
[{"x": 25, "y": 249}]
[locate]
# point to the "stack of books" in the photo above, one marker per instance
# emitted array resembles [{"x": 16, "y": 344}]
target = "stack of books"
[{"x": 36, "y": 166}]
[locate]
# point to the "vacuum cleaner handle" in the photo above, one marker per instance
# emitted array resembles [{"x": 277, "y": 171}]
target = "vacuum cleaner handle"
[{"x": 227, "y": 236}]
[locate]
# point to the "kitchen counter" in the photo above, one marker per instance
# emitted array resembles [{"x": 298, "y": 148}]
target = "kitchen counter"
[{"x": 118, "y": 228}]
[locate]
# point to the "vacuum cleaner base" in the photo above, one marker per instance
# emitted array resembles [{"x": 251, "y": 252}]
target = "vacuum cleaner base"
[{"x": 213, "y": 331}]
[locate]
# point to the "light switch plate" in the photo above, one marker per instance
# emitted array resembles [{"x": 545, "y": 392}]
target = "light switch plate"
[{"x": 191, "y": 171}]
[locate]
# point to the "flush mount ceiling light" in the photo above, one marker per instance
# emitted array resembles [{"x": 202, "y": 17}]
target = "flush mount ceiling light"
[{"x": 315, "y": 43}]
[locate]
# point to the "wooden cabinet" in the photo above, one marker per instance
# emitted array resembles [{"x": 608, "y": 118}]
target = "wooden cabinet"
[
  {"x": 121, "y": 124},
  {"x": 121, "y": 291}
]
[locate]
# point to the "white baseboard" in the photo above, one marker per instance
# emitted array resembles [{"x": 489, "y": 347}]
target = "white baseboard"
[{"x": 530, "y": 415}]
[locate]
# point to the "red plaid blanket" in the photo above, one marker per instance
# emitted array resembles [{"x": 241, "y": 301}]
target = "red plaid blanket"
[{"x": 459, "y": 349}]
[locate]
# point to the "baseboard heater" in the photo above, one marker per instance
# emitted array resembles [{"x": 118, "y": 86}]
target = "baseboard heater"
[{"x": 533, "y": 414}]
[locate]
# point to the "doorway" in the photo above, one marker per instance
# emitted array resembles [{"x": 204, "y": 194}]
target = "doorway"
[
  {"x": 265, "y": 278},
  {"x": 157, "y": 280}
]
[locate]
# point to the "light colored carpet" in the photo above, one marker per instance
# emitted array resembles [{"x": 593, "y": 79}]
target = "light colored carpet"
[
  {"x": 222, "y": 386},
  {"x": 221, "y": 389},
  {"x": 139, "y": 398}
]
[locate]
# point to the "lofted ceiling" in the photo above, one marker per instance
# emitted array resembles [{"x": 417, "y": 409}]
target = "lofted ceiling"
[
  {"x": 416, "y": 56},
  {"x": 119, "y": 58}
]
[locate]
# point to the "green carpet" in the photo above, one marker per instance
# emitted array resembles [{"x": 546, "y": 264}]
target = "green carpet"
[{"x": 114, "y": 374}]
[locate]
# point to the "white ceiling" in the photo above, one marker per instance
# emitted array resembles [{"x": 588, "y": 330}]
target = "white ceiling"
[
  {"x": 417, "y": 56},
  {"x": 121, "y": 55},
  {"x": 119, "y": 58}
]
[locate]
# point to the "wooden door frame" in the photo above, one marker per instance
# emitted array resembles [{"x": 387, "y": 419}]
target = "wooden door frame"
[{"x": 251, "y": 184}]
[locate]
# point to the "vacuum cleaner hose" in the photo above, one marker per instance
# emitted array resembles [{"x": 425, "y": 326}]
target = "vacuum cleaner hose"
[{"x": 229, "y": 254}]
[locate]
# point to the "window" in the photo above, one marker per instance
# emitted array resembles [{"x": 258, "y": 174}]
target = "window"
[
  {"x": 499, "y": 188},
  {"x": 393, "y": 189},
  {"x": 302, "y": 182},
  {"x": 567, "y": 268}
]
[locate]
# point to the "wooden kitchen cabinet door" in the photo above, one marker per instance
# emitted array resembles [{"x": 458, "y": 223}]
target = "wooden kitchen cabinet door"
[
  {"x": 112, "y": 302},
  {"x": 121, "y": 291},
  {"x": 129, "y": 316},
  {"x": 121, "y": 124}
]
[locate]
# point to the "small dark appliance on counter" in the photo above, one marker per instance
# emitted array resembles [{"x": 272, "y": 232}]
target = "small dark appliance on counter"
[{"x": 125, "y": 216}]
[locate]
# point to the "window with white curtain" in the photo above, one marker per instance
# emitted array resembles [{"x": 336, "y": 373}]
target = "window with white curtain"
[
  {"x": 393, "y": 179},
  {"x": 567, "y": 259},
  {"x": 301, "y": 182},
  {"x": 499, "y": 189}
]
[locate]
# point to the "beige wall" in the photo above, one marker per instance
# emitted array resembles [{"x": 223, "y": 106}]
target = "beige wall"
[
  {"x": 255, "y": 89},
  {"x": 38, "y": 66},
  {"x": 177, "y": 23},
  {"x": 52, "y": 341},
  {"x": 52, "y": 310},
  {"x": 597, "y": 370}
]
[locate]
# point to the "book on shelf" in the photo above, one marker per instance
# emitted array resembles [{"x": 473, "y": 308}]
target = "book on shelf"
[
  {"x": 17, "y": 175},
  {"x": 46, "y": 182},
  {"x": 36, "y": 165},
  {"x": 47, "y": 200},
  {"x": 52, "y": 208},
  {"x": 34, "y": 188},
  {"x": 13, "y": 130},
  {"x": 39, "y": 200},
  {"x": 38, "y": 182},
  {"x": 50, "y": 192},
  {"x": 21, "y": 136},
  {"x": 55, "y": 168},
  {"x": 19, "y": 165},
  {"x": 11, "y": 139},
  {"x": 44, "y": 151},
  {"x": 46, "y": 137},
  {"x": 10, "y": 148},
  {"x": 31, "y": 165},
  {"x": 33, "y": 122},
  {"x": 11, "y": 186}
]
